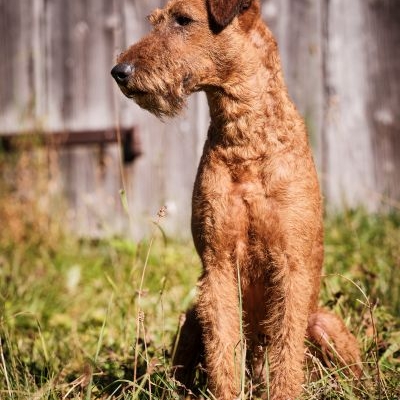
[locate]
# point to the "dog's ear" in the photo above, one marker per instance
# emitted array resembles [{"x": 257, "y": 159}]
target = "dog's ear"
[{"x": 222, "y": 12}]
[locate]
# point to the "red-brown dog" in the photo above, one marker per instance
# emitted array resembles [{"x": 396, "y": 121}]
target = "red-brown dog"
[{"x": 256, "y": 201}]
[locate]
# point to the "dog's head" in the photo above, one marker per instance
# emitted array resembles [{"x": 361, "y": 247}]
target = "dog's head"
[{"x": 194, "y": 45}]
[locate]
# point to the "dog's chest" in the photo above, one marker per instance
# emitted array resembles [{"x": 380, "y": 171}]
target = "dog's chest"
[{"x": 232, "y": 212}]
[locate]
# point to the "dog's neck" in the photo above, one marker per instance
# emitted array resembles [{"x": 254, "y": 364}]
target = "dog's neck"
[
  {"x": 255, "y": 112},
  {"x": 265, "y": 121}
]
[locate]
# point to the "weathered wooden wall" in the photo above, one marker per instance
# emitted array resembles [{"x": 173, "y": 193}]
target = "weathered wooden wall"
[
  {"x": 56, "y": 76},
  {"x": 342, "y": 65}
]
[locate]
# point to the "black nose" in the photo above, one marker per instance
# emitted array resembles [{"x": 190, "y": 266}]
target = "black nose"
[{"x": 122, "y": 72}]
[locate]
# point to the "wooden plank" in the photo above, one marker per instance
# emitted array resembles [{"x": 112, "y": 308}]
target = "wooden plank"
[
  {"x": 349, "y": 161},
  {"x": 126, "y": 137},
  {"x": 16, "y": 99},
  {"x": 80, "y": 96},
  {"x": 81, "y": 84},
  {"x": 382, "y": 56},
  {"x": 296, "y": 25}
]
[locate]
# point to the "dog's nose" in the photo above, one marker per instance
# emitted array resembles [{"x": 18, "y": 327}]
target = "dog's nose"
[{"x": 122, "y": 72}]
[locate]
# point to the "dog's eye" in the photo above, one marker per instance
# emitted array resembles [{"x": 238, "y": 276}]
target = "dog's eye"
[{"x": 182, "y": 20}]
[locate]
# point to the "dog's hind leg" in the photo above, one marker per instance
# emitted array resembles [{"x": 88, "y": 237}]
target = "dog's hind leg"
[{"x": 188, "y": 349}]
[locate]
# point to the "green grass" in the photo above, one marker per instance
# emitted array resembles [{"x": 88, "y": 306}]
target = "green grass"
[{"x": 75, "y": 319}]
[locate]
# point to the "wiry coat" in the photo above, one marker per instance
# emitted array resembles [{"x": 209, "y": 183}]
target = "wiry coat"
[{"x": 257, "y": 216}]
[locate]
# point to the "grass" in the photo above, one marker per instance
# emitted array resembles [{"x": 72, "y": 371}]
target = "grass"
[{"x": 77, "y": 315}]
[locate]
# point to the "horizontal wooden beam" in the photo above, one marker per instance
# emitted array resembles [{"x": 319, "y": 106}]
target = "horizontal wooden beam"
[{"x": 12, "y": 141}]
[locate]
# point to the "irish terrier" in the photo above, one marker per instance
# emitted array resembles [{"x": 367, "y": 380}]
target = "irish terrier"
[{"x": 256, "y": 218}]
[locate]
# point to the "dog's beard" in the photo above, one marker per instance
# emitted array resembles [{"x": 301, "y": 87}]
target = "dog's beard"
[
  {"x": 160, "y": 90},
  {"x": 164, "y": 105},
  {"x": 159, "y": 97}
]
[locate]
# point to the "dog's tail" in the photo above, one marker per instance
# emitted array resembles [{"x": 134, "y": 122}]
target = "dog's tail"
[{"x": 335, "y": 344}]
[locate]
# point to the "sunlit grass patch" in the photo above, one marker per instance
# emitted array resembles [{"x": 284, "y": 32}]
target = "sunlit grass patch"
[{"x": 72, "y": 326}]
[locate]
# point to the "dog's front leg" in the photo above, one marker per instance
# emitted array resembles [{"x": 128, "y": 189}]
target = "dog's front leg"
[
  {"x": 218, "y": 310},
  {"x": 287, "y": 303}
]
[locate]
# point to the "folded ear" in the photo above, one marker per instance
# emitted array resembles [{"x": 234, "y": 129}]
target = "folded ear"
[{"x": 223, "y": 11}]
